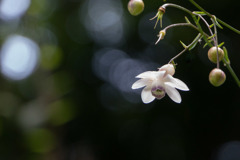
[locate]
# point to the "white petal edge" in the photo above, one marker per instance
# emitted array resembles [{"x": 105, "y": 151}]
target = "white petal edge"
[
  {"x": 160, "y": 74},
  {"x": 140, "y": 83},
  {"x": 176, "y": 83},
  {"x": 146, "y": 95},
  {"x": 147, "y": 74},
  {"x": 173, "y": 93},
  {"x": 160, "y": 37}
]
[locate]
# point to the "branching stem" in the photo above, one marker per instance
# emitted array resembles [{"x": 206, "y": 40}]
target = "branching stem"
[
  {"x": 211, "y": 16},
  {"x": 202, "y": 34},
  {"x": 216, "y": 42},
  {"x": 184, "y": 24},
  {"x": 176, "y": 6},
  {"x": 199, "y": 36},
  {"x": 232, "y": 72}
]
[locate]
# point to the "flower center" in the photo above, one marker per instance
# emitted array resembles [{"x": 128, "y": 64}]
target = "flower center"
[{"x": 158, "y": 92}]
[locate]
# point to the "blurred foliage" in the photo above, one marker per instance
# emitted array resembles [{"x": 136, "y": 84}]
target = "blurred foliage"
[{"x": 78, "y": 104}]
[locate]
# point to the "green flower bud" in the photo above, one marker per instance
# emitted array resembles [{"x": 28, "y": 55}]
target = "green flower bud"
[
  {"x": 135, "y": 7},
  {"x": 217, "y": 77},
  {"x": 212, "y": 54}
]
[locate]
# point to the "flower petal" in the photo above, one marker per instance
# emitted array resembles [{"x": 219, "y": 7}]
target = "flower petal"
[
  {"x": 173, "y": 93},
  {"x": 160, "y": 74},
  {"x": 160, "y": 37},
  {"x": 176, "y": 83},
  {"x": 158, "y": 79},
  {"x": 146, "y": 95},
  {"x": 140, "y": 83},
  {"x": 147, "y": 74}
]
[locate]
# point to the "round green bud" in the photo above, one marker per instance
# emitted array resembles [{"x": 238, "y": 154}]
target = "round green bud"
[
  {"x": 135, "y": 7},
  {"x": 212, "y": 54},
  {"x": 217, "y": 77}
]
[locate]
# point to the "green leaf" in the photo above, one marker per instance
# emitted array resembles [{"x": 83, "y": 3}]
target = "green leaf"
[
  {"x": 207, "y": 43},
  {"x": 221, "y": 44},
  {"x": 184, "y": 46},
  {"x": 211, "y": 37},
  {"x": 200, "y": 13},
  {"x": 198, "y": 19},
  {"x": 193, "y": 46},
  {"x": 219, "y": 25},
  {"x": 187, "y": 20},
  {"x": 196, "y": 40},
  {"x": 174, "y": 64},
  {"x": 226, "y": 55},
  {"x": 216, "y": 22},
  {"x": 211, "y": 25}
]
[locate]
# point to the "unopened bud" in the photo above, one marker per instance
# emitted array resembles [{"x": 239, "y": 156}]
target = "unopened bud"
[
  {"x": 217, "y": 77},
  {"x": 212, "y": 54},
  {"x": 161, "y": 35},
  {"x": 169, "y": 68},
  {"x": 135, "y": 7}
]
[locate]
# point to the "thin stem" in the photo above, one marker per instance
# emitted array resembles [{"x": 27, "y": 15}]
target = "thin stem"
[
  {"x": 206, "y": 24},
  {"x": 193, "y": 16},
  {"x": 227, "y": 64},
  {"x": 228, "y": 26},
  {"x": 184, "y": 24},
  {"x": 199, "y": 36},
  {"x": 215, "y": 39},
  {"x": 210, "y": 15},
  {"x": 176, "y": 6},
  {"x": 202, "y": 34},
  {"x": 216, "y": 42},
  {"x": 201, "y": 30},
  {"x": 200, "y": 8},
  {"x": 179, "y": 54},
  {"x": 232, "y": 72},
  {"x": 178, "y": 25}
]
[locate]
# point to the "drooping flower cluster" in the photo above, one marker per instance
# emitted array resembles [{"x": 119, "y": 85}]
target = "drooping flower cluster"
[{"x": 157, "y": 83}]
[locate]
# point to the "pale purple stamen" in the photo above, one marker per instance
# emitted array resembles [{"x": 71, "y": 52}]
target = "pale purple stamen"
[{"x": 158, "y": 92}]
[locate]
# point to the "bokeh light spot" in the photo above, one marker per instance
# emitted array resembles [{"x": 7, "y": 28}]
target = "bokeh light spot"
[
  {"x": 32, "y": 115},
  {"x": 19, "y": 57},
  {"x": 117, "y": 68},
  {"x": 13, "y": 9},
  {"x": 104, "y": 21}
]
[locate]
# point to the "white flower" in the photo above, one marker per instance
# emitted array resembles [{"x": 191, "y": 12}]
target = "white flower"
[{"x": 158, "y": 83}]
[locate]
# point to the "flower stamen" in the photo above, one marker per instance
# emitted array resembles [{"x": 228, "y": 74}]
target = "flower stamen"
[{"x": 158, "y": 92}]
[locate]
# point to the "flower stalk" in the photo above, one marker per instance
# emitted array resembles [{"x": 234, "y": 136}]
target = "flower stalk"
[
  {"x": 199, "y": 36},
  {"x": 159, "y": 83},
  {"x": 211, "y": 16},
  {"x": 198, "y": 27},
  {"x": 232, "y": 72}
]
